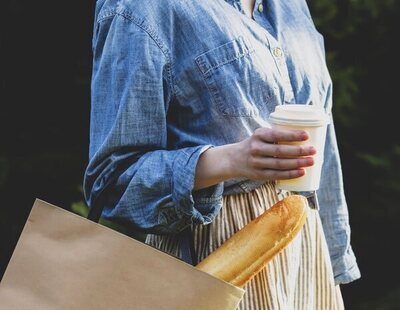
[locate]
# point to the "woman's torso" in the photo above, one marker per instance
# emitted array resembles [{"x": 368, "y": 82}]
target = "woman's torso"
[{"x": 228, "y": 70}]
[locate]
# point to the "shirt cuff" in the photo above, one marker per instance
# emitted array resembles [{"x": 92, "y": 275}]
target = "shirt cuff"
[
  {"x": 346, "y": 269},
  {"x": 194, "y": 207}
]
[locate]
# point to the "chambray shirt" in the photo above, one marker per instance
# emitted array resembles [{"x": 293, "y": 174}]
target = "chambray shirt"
[{"x": 174, "y": 78}]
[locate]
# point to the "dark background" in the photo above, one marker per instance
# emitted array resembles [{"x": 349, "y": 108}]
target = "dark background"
[{"x": 44, "y": 122}]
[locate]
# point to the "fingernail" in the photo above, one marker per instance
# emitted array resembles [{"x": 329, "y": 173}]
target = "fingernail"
[
  {"x": 300, "y": 172},
  {"x": 304, "y": 136},
  {"x": 310, "y": 161},
  {"x": 312, "y": 150}
]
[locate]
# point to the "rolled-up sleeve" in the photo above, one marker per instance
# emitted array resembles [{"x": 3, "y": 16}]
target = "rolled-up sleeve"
[
  {"x": 334, "y": 213},
  {"x": 131, "y": 171}
]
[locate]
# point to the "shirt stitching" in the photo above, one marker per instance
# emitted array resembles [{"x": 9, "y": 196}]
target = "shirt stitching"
[{"x": 126, "y": 14}]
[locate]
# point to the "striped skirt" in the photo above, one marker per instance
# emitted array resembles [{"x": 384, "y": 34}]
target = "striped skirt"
[{"x": 299, "y": 278}]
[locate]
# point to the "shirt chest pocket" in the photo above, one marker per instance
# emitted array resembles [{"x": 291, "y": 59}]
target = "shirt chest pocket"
[{"x": 238, "y": 87}]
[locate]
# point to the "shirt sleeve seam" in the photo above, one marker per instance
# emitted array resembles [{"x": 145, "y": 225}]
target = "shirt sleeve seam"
[{"x": 141, "y": 23}]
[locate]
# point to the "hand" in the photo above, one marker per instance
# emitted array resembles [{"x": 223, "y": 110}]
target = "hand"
[{"x": 264, "y": 156}]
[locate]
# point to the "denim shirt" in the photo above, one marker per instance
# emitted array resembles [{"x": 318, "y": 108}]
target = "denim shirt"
[{"x": 174, "y": 78}]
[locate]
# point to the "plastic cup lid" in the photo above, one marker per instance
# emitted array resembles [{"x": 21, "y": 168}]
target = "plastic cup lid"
[{"x": 299, "y": 114}]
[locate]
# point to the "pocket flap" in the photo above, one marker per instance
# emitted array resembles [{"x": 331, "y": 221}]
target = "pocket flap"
[{"x": 223, "y": 54}]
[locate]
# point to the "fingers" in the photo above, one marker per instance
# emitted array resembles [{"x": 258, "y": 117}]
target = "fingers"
[
  {"x": 278, "y": 154},
  {"x": 269, "y": 174},
  {"x": 259, "y": 148},
  {"x": 281, "y": 163},
  {"x": 275, "y": 135}
]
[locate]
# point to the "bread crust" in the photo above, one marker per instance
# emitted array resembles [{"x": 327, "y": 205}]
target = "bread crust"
[{"x": 245, "y": 253}]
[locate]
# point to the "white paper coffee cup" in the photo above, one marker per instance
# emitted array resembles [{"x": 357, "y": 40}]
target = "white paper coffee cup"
[{"x": 314, "y": 120}]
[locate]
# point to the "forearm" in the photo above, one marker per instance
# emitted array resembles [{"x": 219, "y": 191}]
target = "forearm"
[{"x": 215, "y": 166}]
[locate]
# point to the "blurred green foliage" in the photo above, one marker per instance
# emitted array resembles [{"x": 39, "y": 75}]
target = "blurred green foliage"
[
  {"x": 390, "y": 301},
  {"x": 361, "y": 40}
]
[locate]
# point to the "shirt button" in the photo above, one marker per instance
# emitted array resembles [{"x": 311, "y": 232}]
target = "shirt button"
[
  {"x": 277, "y": 52},
  {"x": 260, "y": 8}
]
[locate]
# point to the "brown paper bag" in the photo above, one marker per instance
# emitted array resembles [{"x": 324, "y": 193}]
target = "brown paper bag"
[{"x": 65, "y": 261}]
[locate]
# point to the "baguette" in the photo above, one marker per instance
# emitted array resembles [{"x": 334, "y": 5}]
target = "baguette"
[{"x": 245, "y": 253}]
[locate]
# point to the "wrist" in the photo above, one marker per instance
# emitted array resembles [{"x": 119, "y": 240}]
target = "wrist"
[
  {"x": 232, "y": 163},
  {"x": 215, "y": 165}
]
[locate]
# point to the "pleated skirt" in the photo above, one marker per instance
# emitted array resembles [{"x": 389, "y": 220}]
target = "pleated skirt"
[{"x": 298, "y": 278}]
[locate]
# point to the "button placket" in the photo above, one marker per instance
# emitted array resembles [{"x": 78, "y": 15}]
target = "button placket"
[
  {"x": 280, "y": 61},
  {"x": 275, "y": 50}
]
